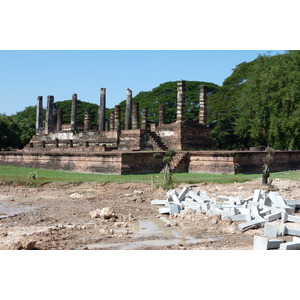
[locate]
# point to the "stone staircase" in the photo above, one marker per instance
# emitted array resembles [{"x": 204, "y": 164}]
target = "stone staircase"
[
  {"x": 179, "y": 163},
  {"x": 157, "y": 142}
]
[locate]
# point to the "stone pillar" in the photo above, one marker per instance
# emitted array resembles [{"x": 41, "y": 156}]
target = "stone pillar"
[
  {"x": 74, "y": 112},
  {"x": 49, "y": 115},
  {"x": 180, "y": 100},
  {"x": 54, "y": 118},
  {"x": 39, "y": 114},
  {"x": 112, "y": 120},
  {"x": 59, "y": 119},
  {"x": 135, "y": 115},
  {"x": 203, "y": 105},
  {"x": 56, "y": 143},
  {"x": 128, "y": 110},
  {"x": 102, "y": 109},
  {"x": 162, "y": 113},
  {"x": 144, "y": 118},
  {"x": 87, "y": 120},
  {"x": 117, "y": 118}
]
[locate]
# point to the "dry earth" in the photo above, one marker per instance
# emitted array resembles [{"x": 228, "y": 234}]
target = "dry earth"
[{"x": 57, "y": 216}]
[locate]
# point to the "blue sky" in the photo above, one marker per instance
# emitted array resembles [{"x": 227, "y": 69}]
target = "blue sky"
[{"x": 26, "y": 74}]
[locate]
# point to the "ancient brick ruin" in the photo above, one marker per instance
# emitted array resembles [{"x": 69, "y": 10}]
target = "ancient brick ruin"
[
  {"x": 108, "y": 148},
  {"x": 180, "y": 135}
]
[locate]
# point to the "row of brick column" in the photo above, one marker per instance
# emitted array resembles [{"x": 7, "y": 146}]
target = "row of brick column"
[
  {"x": 54, "y": 120},
  {"x": 181, "y": 89}
]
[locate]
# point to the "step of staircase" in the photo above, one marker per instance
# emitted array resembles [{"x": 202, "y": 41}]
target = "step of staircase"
[{"x": 158, "y": 141}]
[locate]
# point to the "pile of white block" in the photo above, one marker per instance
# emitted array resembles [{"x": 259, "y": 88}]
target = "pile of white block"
[{"x": 256, "y": 211}]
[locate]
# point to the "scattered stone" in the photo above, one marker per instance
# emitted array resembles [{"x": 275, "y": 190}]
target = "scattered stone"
[
  {"x": 105, "y": 213},
  {"x": 138, "y": 192},
  {"x": 75, "y": 196}
]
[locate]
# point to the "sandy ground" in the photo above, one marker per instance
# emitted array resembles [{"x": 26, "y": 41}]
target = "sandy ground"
[{"x": 57, "y": 216}]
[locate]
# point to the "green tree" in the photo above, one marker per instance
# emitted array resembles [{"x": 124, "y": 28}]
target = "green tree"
[
  {"x": 9, "y": 133},
  {"x": 25, "y": 121},
  {"x": 259, "y": 104}
]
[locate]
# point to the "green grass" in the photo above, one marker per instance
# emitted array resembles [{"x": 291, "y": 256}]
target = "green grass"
[{"x": 19, "y": 175}]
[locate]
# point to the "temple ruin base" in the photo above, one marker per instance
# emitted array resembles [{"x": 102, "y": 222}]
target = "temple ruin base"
[{"x": 125, "y": 162}]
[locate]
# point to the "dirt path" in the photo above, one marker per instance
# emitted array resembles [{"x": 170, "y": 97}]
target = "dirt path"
[{"x": 57, "y": 216}]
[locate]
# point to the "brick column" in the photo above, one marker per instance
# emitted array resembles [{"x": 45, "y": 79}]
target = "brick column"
[
  {"x": 203, "y": 105},
  {"x": 87, "y": 120},
  {"x": 59, "y": 119},
  {"x": 162, "y": 113},
  {"x": 128, "y": 110},
  {"x": 49, "y": 115},
  {"x": 112, "y": 120},
  {"x": 135, "y": 115},
  {"x": 180, "y": 100},
  {"x": 144, "y": 118},
  {"x": 117, "y": 118},
  {"x": 74, "y": 112},
  {"x": 102, "y": 109},
  {"x": 39, "y": 114}
]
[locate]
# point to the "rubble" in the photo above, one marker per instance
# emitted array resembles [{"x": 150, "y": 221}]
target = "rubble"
[
  {"x": 256, "y": 211},
  {"x": 104, "y": 213}
]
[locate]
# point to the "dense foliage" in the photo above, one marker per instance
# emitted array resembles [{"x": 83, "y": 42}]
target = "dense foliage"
[
  {"x": 259, "y": 104},
  {"x": 82, "y": 106}
]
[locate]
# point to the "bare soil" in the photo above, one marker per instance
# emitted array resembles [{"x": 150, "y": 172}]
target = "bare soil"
[{"x": 57, "y": 216}]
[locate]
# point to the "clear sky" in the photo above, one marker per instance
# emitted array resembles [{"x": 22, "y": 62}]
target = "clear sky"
[{"x": 26, "y": 74}]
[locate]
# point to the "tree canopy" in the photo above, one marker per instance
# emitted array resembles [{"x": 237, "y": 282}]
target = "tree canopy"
[{"x": 259, "y": 104}]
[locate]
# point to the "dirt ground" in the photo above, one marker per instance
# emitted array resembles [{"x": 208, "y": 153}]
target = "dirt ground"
[{"x": 58, "y": 216}]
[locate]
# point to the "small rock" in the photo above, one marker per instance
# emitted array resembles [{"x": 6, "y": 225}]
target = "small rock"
[
  {"x": 138, "y": 192},
  {"x": 128, "y": 195},
  {"x": 214, "y": 220},
  {"x": 75, "y": 196},
  {"x": 107, "y": 213}
]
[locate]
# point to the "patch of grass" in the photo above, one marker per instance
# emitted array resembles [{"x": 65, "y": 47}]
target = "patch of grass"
[{"x": 19, "y": 176}]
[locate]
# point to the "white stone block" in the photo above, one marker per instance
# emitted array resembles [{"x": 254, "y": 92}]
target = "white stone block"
[
  {"x": 159, "y": 202},
  {"x": 257, "y": 222},
  {"x": 273, "y": 216},
  {"x": 295, "y": 219},
  {"x": 270, "y": 230},
  {"x": 164, "y": 210},
  {"x": 239, "y": 217},
  {"x": 277, "y": 200},
  {"x": 256, "y": 195},
  {"x": 290, "y": 246},
  {"x": 263, "y": 243},
  {"x": 196, "y": 197},
  {"x": 174, "y": 208},
  {"x": 183, "y": 193}
]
